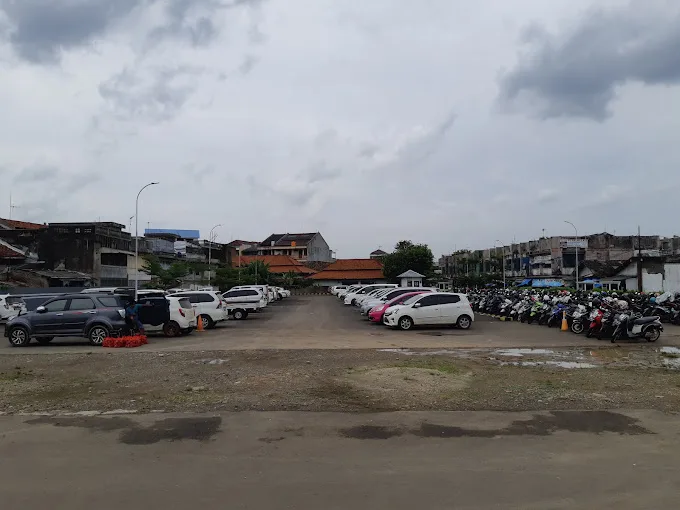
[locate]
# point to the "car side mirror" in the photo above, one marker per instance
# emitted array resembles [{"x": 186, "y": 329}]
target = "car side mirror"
[
  {"x": 417, "y": 305},
  {"x": 41, "y": 309}
]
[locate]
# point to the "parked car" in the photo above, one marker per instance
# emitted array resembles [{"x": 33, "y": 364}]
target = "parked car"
[
  {"x": 240, "y": 302},
  {"x": 435, "y": 308},
  {"x": 337, "y": 288},
  {"x": 265, "y": 290},
  {"x": 170, "y": 315},
  {"x": 376, "y": 313},
  {"x": 351, "y": 297},
  {"x": 341, "y": 293},
  {"x": 68, "y": 315},
  {"x": 208, "y": 306},
  {"x": 284, "y": 293},
  {"x": 389, "y": 295},
  {"x": 11, "y": 306}
]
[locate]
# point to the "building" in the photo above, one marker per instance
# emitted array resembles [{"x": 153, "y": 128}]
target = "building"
[
  {"x": 278, "y": 264},
  {"x": 378, "y": 254},
  {"x": 411, "y": 278},
  {"x": 645, "y": 273},
  {"x": 349, "y": 271},
  {"x": 101, "y": 250},
  {"x": 310, "y": 247},
  {"x": 552, "y": 256}
]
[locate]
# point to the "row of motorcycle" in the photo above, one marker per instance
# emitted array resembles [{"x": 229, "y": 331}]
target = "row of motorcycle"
[{"x": 600, "y": 315}]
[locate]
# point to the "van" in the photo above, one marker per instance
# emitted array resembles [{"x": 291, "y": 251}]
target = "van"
[{"x": 242, "y": 301}]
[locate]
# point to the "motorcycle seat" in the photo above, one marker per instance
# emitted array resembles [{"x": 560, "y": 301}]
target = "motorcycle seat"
[{"x": 645, "y": 320}]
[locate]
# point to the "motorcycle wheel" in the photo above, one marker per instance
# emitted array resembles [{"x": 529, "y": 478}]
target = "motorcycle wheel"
[
  {"x": 577, "y": 327},
  {"x": 652, "y": 334}
]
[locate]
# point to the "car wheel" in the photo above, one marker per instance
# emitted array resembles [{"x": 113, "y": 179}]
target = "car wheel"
[
  {"x": 405, "y": 323},
  {"x": 97, "y": 334},
  {"x": 207, "y": 322},
  {"x": 171, "y": 329},
  {"x": 240, "y": 314},
  {"x": 44, "y": 340},
  {"x": 19, "y": 337},
  {"x": 464, "y": 322}
]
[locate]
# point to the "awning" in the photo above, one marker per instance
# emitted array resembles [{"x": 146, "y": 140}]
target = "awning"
[{"x": 524, "y": 282}]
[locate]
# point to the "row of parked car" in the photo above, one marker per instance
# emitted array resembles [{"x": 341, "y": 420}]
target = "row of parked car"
[
  {"x": 97, "y": 313},
  {"x": 407, "y": 307}
]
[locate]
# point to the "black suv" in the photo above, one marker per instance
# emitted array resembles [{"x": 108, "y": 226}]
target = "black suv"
[{"x": 91, "y": 316}]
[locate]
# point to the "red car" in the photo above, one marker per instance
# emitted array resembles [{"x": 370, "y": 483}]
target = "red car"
[{"x": 376, "y": 313}]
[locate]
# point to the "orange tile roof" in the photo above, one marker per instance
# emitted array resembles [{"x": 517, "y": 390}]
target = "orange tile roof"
[
  {"x": 276, "y": 263},
  {"x": 351, "y": 269},
  {"x": 25, "y": 225},
  {"x": 10, "y": 253}
]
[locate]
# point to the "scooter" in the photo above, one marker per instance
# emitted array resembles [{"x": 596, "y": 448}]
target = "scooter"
[{"x": 649, "y": 328}]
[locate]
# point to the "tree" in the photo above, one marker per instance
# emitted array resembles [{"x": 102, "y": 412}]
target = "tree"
[
  {"x": 259, "y": 271},
  {"x": 167, "y": 278},
  {"x": 407, "y": 255}
]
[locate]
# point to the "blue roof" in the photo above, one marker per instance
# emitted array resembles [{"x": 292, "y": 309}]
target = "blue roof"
[{"x": 185, "y": 234}]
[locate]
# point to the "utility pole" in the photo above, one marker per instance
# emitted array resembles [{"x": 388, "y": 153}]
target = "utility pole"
[
  {"x": 575, "y": 252},
  {"x": 640, "y": 283},
  {"x": 211, "y": 238}
]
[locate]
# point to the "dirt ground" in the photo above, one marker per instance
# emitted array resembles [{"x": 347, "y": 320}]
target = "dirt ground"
[{"x": 265, "y": 363}]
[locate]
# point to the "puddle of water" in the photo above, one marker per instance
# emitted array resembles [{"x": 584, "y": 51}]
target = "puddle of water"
[
  {"x": 518, "y": 353},
  {"x": 670, "y": 350},
  {"x": 560, "y": 364}
]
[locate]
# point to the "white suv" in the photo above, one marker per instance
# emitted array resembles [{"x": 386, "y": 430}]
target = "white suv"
[
  {"x": 242, "y": 301},
  {"x": 11, "y": 306},
  {"x": 445, "y": 308},
  {"x": 208, "y": 306}
]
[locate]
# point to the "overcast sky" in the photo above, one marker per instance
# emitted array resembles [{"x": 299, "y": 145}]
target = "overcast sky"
[{"x": 448, "y": 122}]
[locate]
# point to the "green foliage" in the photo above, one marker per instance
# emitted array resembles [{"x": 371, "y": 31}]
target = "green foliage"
[
  {"x": 407, "y": 255},
  {"x": 255, "y": 273},
  {"x": 166, "y": 278}
]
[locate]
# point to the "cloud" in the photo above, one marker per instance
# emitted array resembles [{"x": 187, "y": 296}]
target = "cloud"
[
  {"x": 41, "y": 29},
  {"x": 149, "y": 94},
  {"x": 36, "y": 173},
  {"x": 576, "y": 72}
]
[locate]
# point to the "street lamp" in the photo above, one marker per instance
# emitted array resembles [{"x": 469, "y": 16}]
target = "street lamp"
[
  {"x": 211, "y": 238},
  {"x": 575, "y": 250},
  {"x": 137, "y": 237},
  {"x": 502, "y": 255}
]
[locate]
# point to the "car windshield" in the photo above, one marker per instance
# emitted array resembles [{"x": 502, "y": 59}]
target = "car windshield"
[
  {"x": 14, "y": 300},
  {"x": 412, "y": 300}
]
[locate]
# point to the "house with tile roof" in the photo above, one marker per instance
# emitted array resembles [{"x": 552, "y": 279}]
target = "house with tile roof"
[
  {"x": 278, "y": 264},
  {"x": 305, "y": 247},
  {"x": 348, "y": 271}
]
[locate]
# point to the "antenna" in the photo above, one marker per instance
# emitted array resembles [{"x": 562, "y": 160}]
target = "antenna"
[{"x": 11, "y": 205}]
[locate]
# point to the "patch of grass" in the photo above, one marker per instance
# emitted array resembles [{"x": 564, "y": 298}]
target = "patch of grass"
[
  {"x": 17, "y": 375},
  {"x": 432, "y": 364}
]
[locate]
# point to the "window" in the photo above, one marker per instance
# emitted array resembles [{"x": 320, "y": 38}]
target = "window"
[
  {"x": 250, "y": 293},
  {"x": 109, "y": 302},
  {"x": 446, "y": 299},
  {"x": 429, "y": 300},
  {"x": 185, "y": 303},
  {"x": 81, "y": 304},
  {"x": 416, "y": 283},
  {"x": 56, "y": 306},
  {"x": 205, "y": 298}
]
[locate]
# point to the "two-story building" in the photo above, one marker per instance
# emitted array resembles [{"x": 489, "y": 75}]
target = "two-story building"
[{"x": 308, "y": 247}]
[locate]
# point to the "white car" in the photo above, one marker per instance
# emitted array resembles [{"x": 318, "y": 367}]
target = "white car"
[
  {"x": 284, "y": 293},
  {"x": 182, "y": 318},
  {"x": 437, "y": 308},
  {"x": 341, "y": 293},
  {"x": 389, "y": 295},
  {"x": 11, "y": 306},
  {"x": 265, "y": 290},
  {"x": 240, "y": 302},
  {"x": 208, "y": 306},
  {"x": 351, "y": 297},
  {"x": 337, "y": 288}
]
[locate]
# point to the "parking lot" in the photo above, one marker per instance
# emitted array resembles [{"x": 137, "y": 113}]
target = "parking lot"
[{"x": 323, "y": 322}]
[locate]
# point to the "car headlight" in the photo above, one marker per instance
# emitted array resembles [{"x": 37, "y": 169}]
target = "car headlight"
[{"x": 389, "y": 312}]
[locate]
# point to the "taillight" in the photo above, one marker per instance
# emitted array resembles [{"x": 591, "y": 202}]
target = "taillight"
[
  {"x": 219, "y": 305},
  {"x": 181, "y": 312}
]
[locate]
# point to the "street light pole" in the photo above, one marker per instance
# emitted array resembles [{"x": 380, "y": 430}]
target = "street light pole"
[
  {"x": 502, "y": 255},
  {"x": 211, "y": 237},
  {"x": 575, "y": 250},
  {"x": 137, "y": 237}
]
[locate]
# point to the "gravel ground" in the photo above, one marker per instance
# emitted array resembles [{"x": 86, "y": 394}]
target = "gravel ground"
[{"x": 342, "y": 380}]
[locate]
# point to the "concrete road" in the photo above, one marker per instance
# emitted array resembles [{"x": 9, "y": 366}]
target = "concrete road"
[
  {"x": 323, "y": 322},
  {"x": 310, "y": 461}
]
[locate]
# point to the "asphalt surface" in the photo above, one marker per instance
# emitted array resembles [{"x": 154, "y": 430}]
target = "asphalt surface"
[
  {"x": 562, "y": 460},
  {"x": 323, "y": 322}
]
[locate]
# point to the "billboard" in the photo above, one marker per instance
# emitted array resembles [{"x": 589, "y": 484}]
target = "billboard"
[
  {"x": 181, "y": 248},
  {"x": 574, "y": 243}
]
